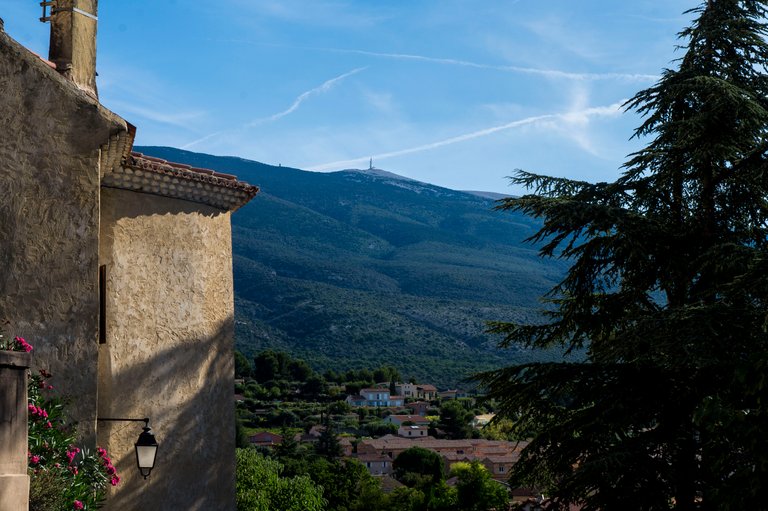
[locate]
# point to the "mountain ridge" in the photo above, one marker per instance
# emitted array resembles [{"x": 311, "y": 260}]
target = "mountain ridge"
[{"x": 353, "y": 269}]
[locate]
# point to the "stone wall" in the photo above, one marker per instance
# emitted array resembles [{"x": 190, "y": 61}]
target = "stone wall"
[
  {"x": 50, "y": 134},
  {"x": 169, "y": 349}
]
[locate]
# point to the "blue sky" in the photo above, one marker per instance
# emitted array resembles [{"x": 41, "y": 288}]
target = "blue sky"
[{"x": 450, "y": 92}]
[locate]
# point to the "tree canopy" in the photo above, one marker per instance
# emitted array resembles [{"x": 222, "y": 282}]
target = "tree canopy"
[
  {"x": 417, "y": 466},
  {"x": 667, "y": 292},
  {"x": 260, "y": 486}
]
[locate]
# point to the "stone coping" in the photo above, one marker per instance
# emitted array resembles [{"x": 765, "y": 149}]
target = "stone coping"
[{"x": 18, "y": 359}]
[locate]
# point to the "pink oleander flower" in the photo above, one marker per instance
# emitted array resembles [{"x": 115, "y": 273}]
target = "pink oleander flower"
[
  {"x": 34, "y": 459},
  {"x": 32, "y": 409},
  {"x": 101, "y": 452},
  {"x": 21, "y": 345},
  {"x": 111, "y": 470},
  {"x": 71, "y": 453},
  {"x": 77, "y": 505},
  {"x": 115, "y": 480},
  {"x": 48, "y": 425}
]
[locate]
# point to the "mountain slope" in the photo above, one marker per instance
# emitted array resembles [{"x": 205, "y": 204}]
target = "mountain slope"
[{"x": 356, "y": 269}]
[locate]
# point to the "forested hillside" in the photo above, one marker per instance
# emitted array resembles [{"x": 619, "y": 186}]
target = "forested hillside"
[{"x": 355, "y": 269}]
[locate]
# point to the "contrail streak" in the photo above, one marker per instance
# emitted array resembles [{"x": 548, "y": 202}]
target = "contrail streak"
[
  {"x": 326, "y": 86},
  {"x": 610, "y": 110},
  {"x": 550, "y": 73}
]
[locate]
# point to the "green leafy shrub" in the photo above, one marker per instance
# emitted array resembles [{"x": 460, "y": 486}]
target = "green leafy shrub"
[{"x": 62, "y": 475}]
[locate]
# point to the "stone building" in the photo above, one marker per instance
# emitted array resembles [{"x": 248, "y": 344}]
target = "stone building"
[{"x": 118, "y": 268}]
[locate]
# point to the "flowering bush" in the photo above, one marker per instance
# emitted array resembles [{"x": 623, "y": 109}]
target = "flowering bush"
[
  {"x": 17, "y": 344},
  {"x": 62, "y": 475}
]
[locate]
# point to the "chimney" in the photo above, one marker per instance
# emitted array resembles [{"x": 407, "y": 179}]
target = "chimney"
[{"x": 73, "y": 41}]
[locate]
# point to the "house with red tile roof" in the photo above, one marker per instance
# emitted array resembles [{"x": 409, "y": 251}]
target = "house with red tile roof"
[
  {"x": 117, "y": 266},
  {"x": 265, "y": 439},
  {"x": 497, "y": 456}
]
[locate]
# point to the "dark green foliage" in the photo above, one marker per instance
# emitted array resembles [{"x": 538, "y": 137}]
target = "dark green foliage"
[
  {"x": 241, "y": 437},
  {"x": 266, "y": 366},
  {"x": 299, "y": 370},
  {"x": 418, "y": 467},
  {"x": 242, "y": 365},
  {"x": 476, "y": 490},
  {"x": 349, "y": 270},
  {"x": 380, "y": 428},
  {"x": 261, "y": 486},
  {"x": 667, "y": 290},
  {"x": 328, "y": 444},
  {"x": 347, "y": 485},
  {"x": 314, "y": 387},
  {"x": 455, "y": 419}
]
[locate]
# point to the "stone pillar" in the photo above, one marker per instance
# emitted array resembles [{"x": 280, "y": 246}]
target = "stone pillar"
[{"x": 14, "y": 481}]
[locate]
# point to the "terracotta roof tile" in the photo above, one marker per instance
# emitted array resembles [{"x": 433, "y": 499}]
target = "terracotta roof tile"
[{"x": 149, "y": 174}]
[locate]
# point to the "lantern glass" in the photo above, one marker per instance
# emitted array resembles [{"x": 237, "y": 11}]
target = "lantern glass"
[{"x": 146, "y": 451}]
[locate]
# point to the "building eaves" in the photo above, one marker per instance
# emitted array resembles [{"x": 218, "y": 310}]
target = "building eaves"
[{"x": 141, "y": 173}]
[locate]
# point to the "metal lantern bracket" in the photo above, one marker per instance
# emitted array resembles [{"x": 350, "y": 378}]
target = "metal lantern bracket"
[{"x": 146, "y": 445}]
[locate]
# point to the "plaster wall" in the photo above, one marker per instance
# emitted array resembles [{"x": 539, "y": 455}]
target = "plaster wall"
[
  {"x": 169, "y": 349},
  {"x": 50, "y": 134}
]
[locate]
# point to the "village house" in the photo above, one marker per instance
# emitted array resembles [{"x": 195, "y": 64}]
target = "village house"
[
  {"x": 416, "y": 391},
  {"x": 399, "y": 420},
  {"x": 419, "y": 407},
  {"x": 426, "y": 392},
  {"x": 376, "y": 464},
  {"x": 265, "y": 439},
  {"x": 480, "y": 421},
  {"x": 407, "y": 390},
  {"x": 413, "y": 431},
  {"x": 497, "y": 456},
  {"x": 451, "y": 394},
  {"x": 117, "y": 267},
  {"x": 375, "y": 398}
]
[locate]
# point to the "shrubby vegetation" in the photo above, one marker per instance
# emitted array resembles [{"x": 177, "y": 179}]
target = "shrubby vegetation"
[
  {"x": 262, "y": 487},
  {"x": 63, "y": 476}
]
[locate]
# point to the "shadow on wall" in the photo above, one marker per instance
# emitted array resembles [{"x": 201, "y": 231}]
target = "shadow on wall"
[{"x": 187, "y": 392}]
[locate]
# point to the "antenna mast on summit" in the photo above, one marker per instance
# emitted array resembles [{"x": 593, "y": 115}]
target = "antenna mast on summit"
[{"x": 370, "y": 164}]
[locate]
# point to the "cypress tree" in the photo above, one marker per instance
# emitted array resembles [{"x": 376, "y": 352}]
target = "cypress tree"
[{"x": 667, "y": 293}]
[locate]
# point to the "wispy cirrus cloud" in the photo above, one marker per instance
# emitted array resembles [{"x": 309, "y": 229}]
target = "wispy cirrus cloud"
[
  {"x": 324, "y": 87},
  {"x": 179, "y": 119},
  {"x": 548, "y": 73},
  {"x": 568, "y": 117}
]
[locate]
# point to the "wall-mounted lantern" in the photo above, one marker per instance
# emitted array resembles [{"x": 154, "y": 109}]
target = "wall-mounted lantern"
[{"x": 146, "y": 446}]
